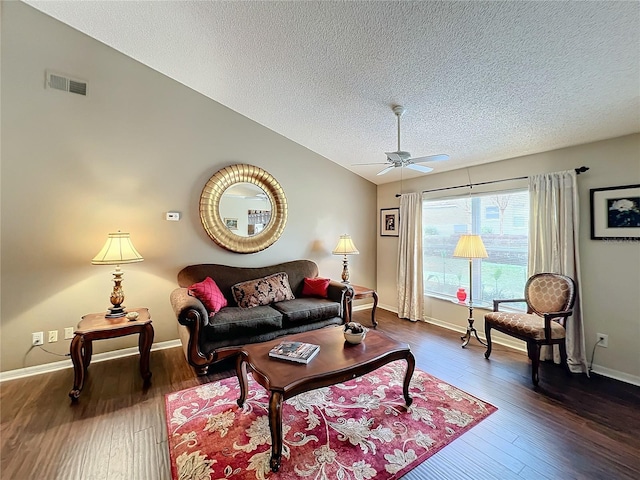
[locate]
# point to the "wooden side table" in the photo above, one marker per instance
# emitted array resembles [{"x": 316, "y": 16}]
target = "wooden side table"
[
  {"x": 364, "y": 292},
  {"x": 95, "y": 326}
]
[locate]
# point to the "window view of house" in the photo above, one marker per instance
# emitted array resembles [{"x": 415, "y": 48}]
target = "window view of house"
[{"x": 502, "y": 220}]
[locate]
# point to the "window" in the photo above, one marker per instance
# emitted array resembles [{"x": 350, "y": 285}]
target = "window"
[
  {"x": 491, "y": 212},
  {"x": 502, "y": 220}
]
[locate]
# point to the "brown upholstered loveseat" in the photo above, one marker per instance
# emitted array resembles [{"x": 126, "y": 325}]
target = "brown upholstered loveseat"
[{"x": 206, "y": 340}]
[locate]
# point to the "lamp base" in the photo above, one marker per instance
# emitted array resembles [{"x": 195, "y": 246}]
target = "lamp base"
[
  {"x": 116, "y": 312},
  {"x": 345, "y": 270},
  {"x": 470, "y": 330}
]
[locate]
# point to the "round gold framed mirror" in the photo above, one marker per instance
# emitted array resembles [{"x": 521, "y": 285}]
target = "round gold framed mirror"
[{"x": 247, "y": 227}]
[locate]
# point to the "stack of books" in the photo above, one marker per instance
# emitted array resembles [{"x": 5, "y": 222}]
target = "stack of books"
[{"x": 295, "y": 351}]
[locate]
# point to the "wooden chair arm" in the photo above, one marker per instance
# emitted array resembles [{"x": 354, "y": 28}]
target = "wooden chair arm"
[
  {"x": 496, "y": 303},
  {"x": 548, "y": 317},
  {"x": 565, "y": 314}
]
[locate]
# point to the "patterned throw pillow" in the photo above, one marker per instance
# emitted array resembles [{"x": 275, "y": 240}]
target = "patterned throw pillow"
[
  {"x": 263, "y": 291},
  {"x": 315, "y": 287},
  {"x": 208, "y": 292}
]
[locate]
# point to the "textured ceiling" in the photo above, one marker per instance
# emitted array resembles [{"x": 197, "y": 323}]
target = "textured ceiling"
[{"x": 481, "y": 81}]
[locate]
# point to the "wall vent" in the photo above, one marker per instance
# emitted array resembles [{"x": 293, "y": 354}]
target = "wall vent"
[{"x": 63, "y": 82}]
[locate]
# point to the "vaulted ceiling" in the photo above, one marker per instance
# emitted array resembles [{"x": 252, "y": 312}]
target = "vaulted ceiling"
[{"x": 480, "y": 81}]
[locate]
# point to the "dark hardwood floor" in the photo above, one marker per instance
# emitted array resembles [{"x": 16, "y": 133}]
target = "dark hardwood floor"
[{"x": 572, "y": 427}]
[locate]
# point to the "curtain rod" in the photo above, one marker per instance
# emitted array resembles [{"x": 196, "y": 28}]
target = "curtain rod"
[{"x": 578, "y": 170}]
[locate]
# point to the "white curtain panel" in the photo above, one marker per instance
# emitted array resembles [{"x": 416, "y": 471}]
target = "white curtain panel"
[
  {"x": 553, "y": 247},
  {"x": 410, "y": 283}
]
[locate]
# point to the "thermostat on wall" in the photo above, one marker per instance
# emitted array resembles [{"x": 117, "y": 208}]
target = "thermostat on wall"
[{"x": 173, "y": 216}]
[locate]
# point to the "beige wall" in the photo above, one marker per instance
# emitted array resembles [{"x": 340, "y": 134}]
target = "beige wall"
[
  {"x": 610, "y": 270},
  {"x": 75, "y": 168}
]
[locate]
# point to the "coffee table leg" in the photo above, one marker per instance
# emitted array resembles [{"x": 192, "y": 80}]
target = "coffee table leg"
[
  {"x": 275, "y": 425},
  {"x": 144, "y": 346},
  {"x": 411, "y": 365},
  {"x": 79, "y": 369},
  {"x": 241, "y": 372}
]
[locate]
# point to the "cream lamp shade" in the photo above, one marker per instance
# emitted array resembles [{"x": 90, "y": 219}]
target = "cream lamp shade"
[
  {"x": 345, "y": 247},
  {"x": 118, "y": 249},
  {"x": 470, "y": 246}
]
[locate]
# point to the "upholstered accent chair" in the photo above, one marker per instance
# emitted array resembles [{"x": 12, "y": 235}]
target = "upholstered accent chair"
[{"x": 549, "y": 298}]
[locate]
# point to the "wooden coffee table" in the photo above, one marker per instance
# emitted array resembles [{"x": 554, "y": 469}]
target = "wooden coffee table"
[{"x": 337, "y": 361}]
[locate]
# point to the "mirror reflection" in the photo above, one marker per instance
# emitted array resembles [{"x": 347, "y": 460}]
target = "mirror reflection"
[{"x": 245, "y": 209}]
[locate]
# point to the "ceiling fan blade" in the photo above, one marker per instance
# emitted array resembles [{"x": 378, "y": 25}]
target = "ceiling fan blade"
[
  {"x": 388, "y": 169},
  {"x": 377, "y": 163},
  {"x": 419, "y": 168},
  {"x": 431, "y": 158}
]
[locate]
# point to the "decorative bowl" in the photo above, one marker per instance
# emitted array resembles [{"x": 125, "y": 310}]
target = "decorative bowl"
[
  {"x": 133, "y": 316},
  {"x": 355, "y": 338}
]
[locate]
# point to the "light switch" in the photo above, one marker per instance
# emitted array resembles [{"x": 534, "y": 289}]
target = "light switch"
[{"x": 173, "y": 216}]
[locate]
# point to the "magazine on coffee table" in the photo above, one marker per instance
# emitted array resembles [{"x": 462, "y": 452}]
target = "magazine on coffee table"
[{"x": 300, "y": 352}]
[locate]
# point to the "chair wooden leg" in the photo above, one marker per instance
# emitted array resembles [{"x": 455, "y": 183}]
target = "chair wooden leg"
[
  {"x": 563, "y": 355},
  {"x": 530, "y": 350},
  {"x": 534, "y": 349},
  {"x": 487, "y": 334}
]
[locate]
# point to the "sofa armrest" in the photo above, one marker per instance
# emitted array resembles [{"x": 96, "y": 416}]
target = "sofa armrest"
[
  {"x": 187, "y": 307},
  {"x": 341, "y": 293},
  {"x": 192, "y": 314}
]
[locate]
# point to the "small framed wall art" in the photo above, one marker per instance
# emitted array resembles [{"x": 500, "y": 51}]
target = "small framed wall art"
[
  {"x": 615, "y": 213},
  {"x": 231, "y": 223},
  {"x": 389, "y": 222}
]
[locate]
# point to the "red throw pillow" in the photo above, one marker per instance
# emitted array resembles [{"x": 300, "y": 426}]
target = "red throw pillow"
[
  {"x": 315, "y": 287},
  {"x": 209, "y": 294}
]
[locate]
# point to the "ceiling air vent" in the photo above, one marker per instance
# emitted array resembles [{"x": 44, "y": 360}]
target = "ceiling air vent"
[{"x": 58, "y": 81}]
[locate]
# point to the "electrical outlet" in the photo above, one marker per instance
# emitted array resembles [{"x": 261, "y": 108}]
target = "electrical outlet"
[
  {"x": 603, "y": 340},
  {"x": 37, "y": 338},
  {"x": 68, "y": 333},
  {"x": 53, "y": 336}
]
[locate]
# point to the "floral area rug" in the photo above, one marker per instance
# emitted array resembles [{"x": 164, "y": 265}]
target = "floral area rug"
[{"x": 360, "y": 429}]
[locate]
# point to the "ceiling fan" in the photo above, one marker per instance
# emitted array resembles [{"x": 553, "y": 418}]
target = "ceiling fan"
[{"x": 399, "y": 158}]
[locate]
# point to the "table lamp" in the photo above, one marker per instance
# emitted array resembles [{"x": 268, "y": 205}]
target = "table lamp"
[
  {"x": 345, "y": 247},
  {"x": 117, "y": 250},
  {"x": 470, "y": 246}
]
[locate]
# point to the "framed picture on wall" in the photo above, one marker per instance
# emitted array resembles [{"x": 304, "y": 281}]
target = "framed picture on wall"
[
  {"x": 231, "y": 223},
  {"x": 615, "y": 213},
  {"x": 389, "y": 222}
]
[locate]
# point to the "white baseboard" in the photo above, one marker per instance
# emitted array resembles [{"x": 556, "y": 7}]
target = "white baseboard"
[
  {"x": 362, "y": 307},
  {"x": 616, "y": 375},
  {"x": 388, "y": 308},
  {"x": 126, "y": 352},
  {"x": 98, "y": 357},
  {"x": 515, "y": 344},
  {"x": 521, "y": 346}
]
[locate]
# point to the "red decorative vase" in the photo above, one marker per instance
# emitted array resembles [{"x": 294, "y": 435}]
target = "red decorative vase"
[{"x": 461, "y": 294}]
